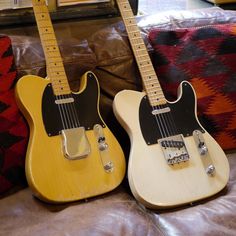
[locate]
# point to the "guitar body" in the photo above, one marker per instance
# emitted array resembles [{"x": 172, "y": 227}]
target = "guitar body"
[
  {"x": 52, "y": 176},
  {"x": 153, "y": 182}
]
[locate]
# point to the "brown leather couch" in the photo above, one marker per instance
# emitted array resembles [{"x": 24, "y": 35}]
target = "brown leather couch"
[{"x": 102, "y": 46}]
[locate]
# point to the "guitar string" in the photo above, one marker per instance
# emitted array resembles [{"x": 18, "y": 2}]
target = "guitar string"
[
  {"x": 71, "y": 115},
  {"x": 67, "y": 109},
  {"x": 62, "y": 113},
  {"x": 74, "y": 113},
  {"x": 67, "y": 116},
  {"x": 62, "y": 106}
]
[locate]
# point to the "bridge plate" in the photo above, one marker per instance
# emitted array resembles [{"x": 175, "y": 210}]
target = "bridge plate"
[{"x": 174, "y": 149}]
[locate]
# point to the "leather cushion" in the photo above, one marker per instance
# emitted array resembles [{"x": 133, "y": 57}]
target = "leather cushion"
[
  {"x": 205, "y": 56},
  {"x": 13, "y": 129}
]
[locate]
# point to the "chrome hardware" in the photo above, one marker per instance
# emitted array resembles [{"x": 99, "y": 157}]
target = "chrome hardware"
[
  {"x": 204, "y": 153},
  {"x": 75, "y": 143},
  {"x": 64, "y": 100},
  {"x": 103, "y": 148},
  {"x": 174, "y": 149},
  {"x": 98, "y": 130},
  {"x": 203, "y": 150},
  {"x": 210, "y": 170},
  {"x": 200, "y": 142},
  {"x": 109, "y": 167},
  {"x": 160, "y": 111}
]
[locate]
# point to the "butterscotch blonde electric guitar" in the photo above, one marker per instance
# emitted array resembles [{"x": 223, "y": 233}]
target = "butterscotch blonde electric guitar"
[
  {"x": 71, "y": 153},
  {"x": 173, "y": 160}
]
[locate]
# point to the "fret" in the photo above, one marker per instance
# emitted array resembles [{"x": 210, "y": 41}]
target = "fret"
[
  {"x": 150, "y": 77},
  {"x": 57, "y": 82},
  {"x": 137, "y": 41},
  {"x": 140, "y": 49},
  {"x": 143, "y": 65},
  {"x": 58, "y": 73},
  {"x": 52, "y": 55},
  {"x": 39, "y": 2},
  {"x": 44, "y": 24},
  {"x": 147, "y": 75},
  {"x": 57, "y": 85},
  {"x": 153, "y": 97},
  {"x": 127, "y": 15},
  {"x": 52, "y": 62},
  {"x": 142, "y": 58},
  {"x": 155, "y": 91},
  {"x": 134, "y": 31},
  {"x": 49, "y": 43},
  {"x": 132, "y": 24},
  {"x": 127, "y": 18},
  {"x": 139, "y": 44},
  {"x": 40, "y": 11},
  {"x": 45, "y": 31},
  {"x": 147, "y": 66},
  {"x": 55, "y": 68},
  {"x": 151, "y": 83},
  {"x": 52, "y": 48}
]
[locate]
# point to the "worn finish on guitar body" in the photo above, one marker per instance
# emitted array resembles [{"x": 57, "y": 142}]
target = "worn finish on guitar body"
[
  {"x": 52, "y": 176},
  {"x": 154, "y": 182}
]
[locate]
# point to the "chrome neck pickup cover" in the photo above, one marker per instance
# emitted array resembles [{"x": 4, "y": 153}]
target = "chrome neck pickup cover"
[{"x": 174, "y": 149}]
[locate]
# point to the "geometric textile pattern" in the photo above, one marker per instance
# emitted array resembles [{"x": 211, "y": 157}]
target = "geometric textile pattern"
[
  {"x": 206, "y": 57},
  {"x": 13, "y": 128}
]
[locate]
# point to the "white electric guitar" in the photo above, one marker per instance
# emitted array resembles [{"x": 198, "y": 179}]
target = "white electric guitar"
[{"x": 173, "y": 160}]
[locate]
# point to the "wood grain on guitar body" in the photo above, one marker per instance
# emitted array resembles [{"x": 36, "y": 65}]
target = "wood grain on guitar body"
[
  {"x": 71, "y": 154},
  {"x": 173, "y": 160}
]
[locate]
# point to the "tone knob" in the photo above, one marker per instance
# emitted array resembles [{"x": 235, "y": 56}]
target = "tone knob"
[{"x": 210, "y": 170}]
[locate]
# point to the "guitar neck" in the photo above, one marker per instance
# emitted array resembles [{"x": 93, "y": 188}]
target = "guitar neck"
[
  {"x": 55, "y": 67},
  {"x": 149, "y": 78}
]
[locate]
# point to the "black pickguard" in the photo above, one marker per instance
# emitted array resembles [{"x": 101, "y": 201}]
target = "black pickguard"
[
  {"x": 182, "y": 113},
  {"x": 85, "y": 106}
]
